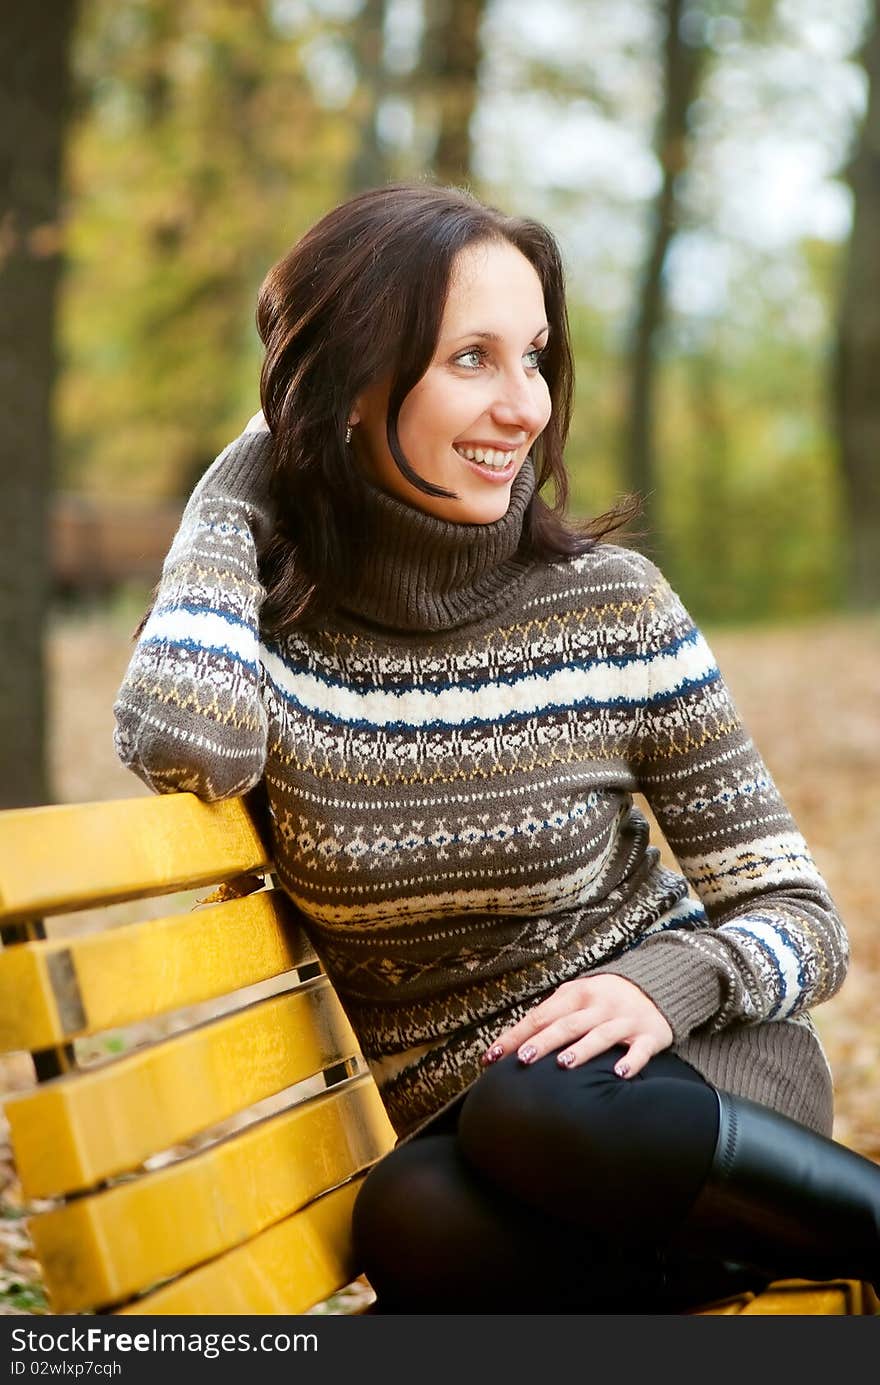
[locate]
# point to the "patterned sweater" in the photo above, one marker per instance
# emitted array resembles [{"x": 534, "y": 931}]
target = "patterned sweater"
[{"x": 450, "y": 765}]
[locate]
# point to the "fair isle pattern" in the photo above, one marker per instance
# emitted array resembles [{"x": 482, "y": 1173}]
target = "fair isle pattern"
[
  {"x": 192, "y": 688},
  {"x": 453, "y": 806}
]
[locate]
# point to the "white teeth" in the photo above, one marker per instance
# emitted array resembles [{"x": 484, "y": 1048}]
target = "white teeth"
[{"x": 487, "y": 456}]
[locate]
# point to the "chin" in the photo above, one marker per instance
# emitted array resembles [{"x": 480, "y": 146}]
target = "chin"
[{"x": 486, "y": 509}]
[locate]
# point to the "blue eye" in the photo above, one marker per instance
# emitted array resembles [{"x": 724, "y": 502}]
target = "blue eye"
[
  {"x": 472, "y": 351},
  {"x": 479, "y": 353}
]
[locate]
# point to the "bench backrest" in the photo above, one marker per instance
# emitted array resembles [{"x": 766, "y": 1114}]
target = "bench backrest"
[{"x": 211, "y": 1165}]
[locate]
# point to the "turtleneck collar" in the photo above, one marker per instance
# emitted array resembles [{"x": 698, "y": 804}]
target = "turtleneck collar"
[{"x": 425, "y": 573}]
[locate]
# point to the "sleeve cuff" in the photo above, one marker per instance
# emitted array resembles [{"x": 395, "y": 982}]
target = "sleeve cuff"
[{"x": 685, "y": 986}]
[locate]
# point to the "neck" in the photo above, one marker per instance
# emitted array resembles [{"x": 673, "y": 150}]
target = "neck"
[{"x": 424, "y": 573}]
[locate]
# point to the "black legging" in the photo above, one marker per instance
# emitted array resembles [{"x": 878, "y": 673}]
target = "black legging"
[{"x": 547, "y": 1190}]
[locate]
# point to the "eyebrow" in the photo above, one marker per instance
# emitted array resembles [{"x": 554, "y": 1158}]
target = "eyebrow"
[{"x": 494, "y": 336}]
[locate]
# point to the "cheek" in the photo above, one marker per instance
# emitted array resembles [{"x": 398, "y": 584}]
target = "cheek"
[
  {"x": 434, "y": 410},
  {"x": 544, "y": 403}
]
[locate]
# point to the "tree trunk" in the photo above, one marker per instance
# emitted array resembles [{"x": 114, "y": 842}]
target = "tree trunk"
[
  {"x": 683, "y": 63},
  {"x": 856, "y": 372},
  {"x": 450, "y": 69},
  {"x": 34, "y": 90},
  {"x": 369, "y": 167}
]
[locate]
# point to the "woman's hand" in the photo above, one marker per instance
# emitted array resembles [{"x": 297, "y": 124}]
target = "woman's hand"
[{"x": 586, "y": 1017}]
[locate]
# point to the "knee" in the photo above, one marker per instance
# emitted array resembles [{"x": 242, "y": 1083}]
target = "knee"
[
  {"x": 514, "y": 1114},
  {"x": 403, "y": 1193},
  {"x": 500, "y": 1097},
  {"x": 378, "y": 1207},
  {"x": 505, "y": 1109}
]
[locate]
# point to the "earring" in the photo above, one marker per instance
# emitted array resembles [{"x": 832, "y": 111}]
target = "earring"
[{"x": 348, "y": 435}]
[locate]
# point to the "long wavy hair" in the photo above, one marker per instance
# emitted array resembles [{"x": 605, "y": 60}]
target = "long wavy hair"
[{"x": 359, "y": 298}]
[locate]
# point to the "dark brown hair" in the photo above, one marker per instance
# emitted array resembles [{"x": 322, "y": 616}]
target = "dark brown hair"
[{"x": 359, "y": 298}]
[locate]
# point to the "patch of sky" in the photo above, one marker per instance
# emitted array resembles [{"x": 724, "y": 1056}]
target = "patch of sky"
[
  {"x": 395, "y": 123},
  {"x": 330, "y": 70},
  {"x": 698, "y": 274},
  {"x": 288, "y": 17},
  {"x": 831, "y": 30},
  {"x": 404, "y": 24},
  {"x": 562, "y": 145},
  {"x": 558, "y": 27}
]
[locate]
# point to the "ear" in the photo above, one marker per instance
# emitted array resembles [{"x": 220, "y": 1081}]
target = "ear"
[{"x": 354, "y": 417}]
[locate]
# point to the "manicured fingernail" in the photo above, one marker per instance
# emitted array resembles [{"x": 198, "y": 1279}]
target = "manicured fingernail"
[
  {"x": 621, "y": 1069},
  {"x": 565, "y": 1059},
  {"x": 494, "y": 1053},
  {"x": 527, "y": 1053}
]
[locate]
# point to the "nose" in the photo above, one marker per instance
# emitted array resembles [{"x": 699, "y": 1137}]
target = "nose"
[{"x": 521, "y": 402}]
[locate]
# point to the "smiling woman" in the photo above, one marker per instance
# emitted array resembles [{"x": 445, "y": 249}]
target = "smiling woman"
[
  {"x": 467, "y": 425},
  {"x": 430, "y": 332},
  {"x": 602, "y": 1072}
]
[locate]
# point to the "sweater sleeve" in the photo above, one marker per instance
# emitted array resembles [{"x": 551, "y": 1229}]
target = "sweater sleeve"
[
  {"x": 775, "y": 944},
  {"x": 189, "y": 713}
]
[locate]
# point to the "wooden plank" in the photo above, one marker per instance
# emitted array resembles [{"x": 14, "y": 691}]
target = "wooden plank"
[
  {"x": 100, "y": 1250},
  {"x": 78, "y": 1130},
  {"x": 56, "y": 990},
  {"x": 800, "y": 1298},
  {"x": 287, "y": 1269},
  {"x": 67, "y": 856},
  {"x": 724, "y": 1308}
]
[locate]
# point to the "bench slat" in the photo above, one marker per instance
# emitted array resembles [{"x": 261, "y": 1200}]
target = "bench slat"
[
  {"x": 800, "y": 1297},
  {"x": 795, "y": 1297},
  {"x": 68, "y": 856},
  {"x": 102, "y": 1249},
  {"x": 77, "y": 1130},
  {"x": 53, "y": 991},
  {"x": 288, "y": 1269}
]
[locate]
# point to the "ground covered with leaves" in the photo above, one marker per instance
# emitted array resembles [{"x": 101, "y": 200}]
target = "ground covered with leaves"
[{"x": 809, "y": 697}]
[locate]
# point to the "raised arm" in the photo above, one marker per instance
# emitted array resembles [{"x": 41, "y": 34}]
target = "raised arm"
[
  {"x": 776, "y": 944},
  {"x": 189, "y": 714}
]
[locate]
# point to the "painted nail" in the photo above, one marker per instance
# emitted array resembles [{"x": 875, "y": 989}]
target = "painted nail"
[
  {"x": 527, "y": 1053},
  {"x": 565, "y": 1059},
  {"x": 494, "y": 1053},
  {"x": 621, "y": 1069}
]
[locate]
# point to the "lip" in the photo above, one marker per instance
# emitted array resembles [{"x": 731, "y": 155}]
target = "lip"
[
  {"x": 496, "y": 446},
  {"x": 496, "y": 478}
]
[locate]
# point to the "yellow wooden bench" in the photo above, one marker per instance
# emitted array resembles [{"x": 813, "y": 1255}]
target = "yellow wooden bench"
[{"x": 201, "y": 1118}]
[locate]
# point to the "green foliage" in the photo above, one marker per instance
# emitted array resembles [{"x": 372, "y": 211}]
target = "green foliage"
[
  {"x": 198, "y": 156},
  {"x": 24, "y": 1298},
  {"x": 751, "y": 510},
  {"x": 750, "y": 514},
  {"x": 203, "y": 146}
]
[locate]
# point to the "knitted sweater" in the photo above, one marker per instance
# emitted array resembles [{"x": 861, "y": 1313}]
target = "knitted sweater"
[{"x": 450, "y": 764}]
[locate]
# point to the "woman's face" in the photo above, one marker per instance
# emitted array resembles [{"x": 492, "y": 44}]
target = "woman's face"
[{"x": 482, "y": 393}]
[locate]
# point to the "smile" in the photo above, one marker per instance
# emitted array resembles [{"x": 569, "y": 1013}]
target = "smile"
[{"x": 487, "y": 456}]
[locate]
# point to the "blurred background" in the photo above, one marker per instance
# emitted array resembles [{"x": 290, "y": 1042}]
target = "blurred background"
[{"x": 712, "y": 172}]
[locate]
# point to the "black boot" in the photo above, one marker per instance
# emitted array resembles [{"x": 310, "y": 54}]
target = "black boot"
[{"x": 785, "y": 1200}]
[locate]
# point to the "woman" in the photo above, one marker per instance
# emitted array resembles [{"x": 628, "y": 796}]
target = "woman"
[{"x": 607, "y": 1086}]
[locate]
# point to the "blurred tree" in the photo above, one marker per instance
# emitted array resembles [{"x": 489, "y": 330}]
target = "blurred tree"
[
  {"x": 684, "y": 56},
  {"x": 213, "y": 132},
  {"x": 34, "y": 88},
  {"x": 449, "y": 71},
  {"x": 207, "y": 141},
  {"x": 856, "y": 371},
  {"x": 369, "y": 168}
]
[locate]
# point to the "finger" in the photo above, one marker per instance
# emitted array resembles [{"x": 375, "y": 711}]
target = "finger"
[
  {"x": 598, "y": 1040},
  {"x": 569, "y": 1028},
  {"x": 509, "y": 1040},
  {"x": 640, "y": 1051},
  {"x": 564, "y": 1033}
]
